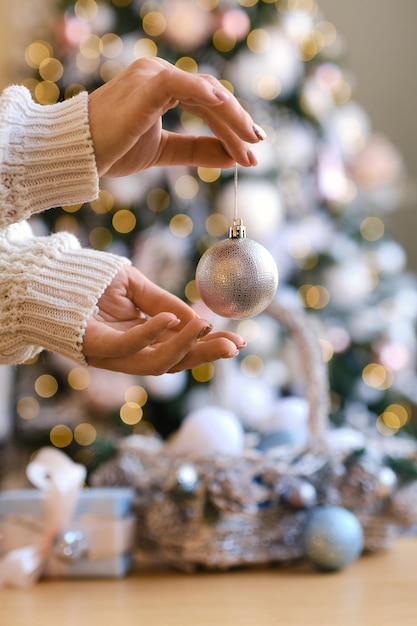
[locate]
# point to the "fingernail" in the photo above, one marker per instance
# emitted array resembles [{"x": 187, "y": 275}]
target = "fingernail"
[
  {"x": 259, "y": 132},
  {"x": 252, "y": 158},
  {"x": 230, "y": 355},
  {"x": 173, "y": 323},
  {"x": 204, "y": 331},
  {"x": 242, "y": 345},
  {"x": 221, "y": 94}
]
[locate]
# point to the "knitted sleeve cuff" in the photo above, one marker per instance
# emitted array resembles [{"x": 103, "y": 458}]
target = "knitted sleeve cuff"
[
  {"x": 46, "y": 154},
  {"x": 53, "y": 291}
]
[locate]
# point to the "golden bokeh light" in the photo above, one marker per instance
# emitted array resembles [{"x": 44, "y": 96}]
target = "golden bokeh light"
[
  {"x": 86, "y": 10},
  {"x": 100, "y": 238},
  {"x": 27, "y": 408},
  {"x": 217, "y": 224},
  {"x": 51, "y": 69},
  {"x": 209, "y": 174},
  {"x": 186, "y": 187},
  {"x": 181, "y": 225},
  {"x": 154, "y": 23},
  {"x": 79, "y": 378},
  {"x": 110, "y": 69},
  {"x": 268, "y": 87},
  {"x": 395, "y": 416},
  {"x": 372, "y": 228},
  {"x": 249, "y": 329},
  {"x": 90, "y": 47},
  {"x": 258, "y": 40},
  {"x": 188, "y": 64},
  {"x": 111, "y": 45},
  {"x": 72, "y": 208},
  {"x": 85, "y": 434},
  {"x": 252, "y": 365},
  {"x": 327, "y": 31},
  {"x": 73, "y": 90},
  {"x": 145, "y": 48},
  {"x": 223, "y": 41},
  {"x": 191, "y": 291},
  {"x": 136, "y": 394},
  {"x": 314, "y": 296},
  {"x": 124, "y": 221},
  {"x": 203, "y": 373},
  {"x": 67, "y": 224},
  {"x": 327, "y": 350},
  {"x": 131, "y": 413},
  {"x": 158, "y": 200},
  {"x": 37, "y": 52},
  {"x": 377, "y": 376},
  {"x": 61, "y": 436},
  {"x": 47, "y": 92},
  {"x": 46, "y": 386},
  {"x": 104, "y": 203}
]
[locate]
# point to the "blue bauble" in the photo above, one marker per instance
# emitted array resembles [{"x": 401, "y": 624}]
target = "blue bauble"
[{"x": 332, "y": 538}]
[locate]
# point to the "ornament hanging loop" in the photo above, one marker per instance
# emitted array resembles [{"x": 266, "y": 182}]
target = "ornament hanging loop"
[{"x": 237, "y": 229}]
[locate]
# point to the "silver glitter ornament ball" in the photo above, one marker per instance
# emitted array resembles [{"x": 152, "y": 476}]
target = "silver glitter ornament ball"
[{"x": 237, "y": 277}]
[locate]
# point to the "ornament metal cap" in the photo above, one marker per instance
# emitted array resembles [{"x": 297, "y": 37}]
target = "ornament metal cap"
[{"x": 237, "y": 229}]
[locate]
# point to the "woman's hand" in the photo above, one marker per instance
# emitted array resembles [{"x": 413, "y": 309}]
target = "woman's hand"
[
  {"x": 125, "y": 120},
  {"x": 144, "y": 330}
]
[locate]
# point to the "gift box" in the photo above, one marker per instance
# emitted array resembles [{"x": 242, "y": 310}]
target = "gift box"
[
  {"x": 97, "y": 542},
  {"x": 62, "y": 529}
]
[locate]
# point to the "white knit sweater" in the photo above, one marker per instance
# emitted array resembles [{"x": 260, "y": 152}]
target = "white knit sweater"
[{"x": 49, "y": 286}]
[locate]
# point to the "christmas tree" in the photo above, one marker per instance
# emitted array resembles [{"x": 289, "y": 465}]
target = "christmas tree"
[{"x": 317, "y": 201}]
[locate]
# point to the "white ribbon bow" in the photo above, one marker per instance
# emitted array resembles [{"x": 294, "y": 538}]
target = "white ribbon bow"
[{"x": 60, "y": 481}]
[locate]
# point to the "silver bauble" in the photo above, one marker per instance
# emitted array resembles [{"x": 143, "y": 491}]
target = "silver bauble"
[{"x": 237, "y": 278}]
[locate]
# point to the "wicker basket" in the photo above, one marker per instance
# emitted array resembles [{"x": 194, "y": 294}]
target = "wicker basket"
[{"x": 219, "y": 512}]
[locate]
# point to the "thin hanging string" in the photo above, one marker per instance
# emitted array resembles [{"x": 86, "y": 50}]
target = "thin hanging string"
[{"x": 235, "y": 197}]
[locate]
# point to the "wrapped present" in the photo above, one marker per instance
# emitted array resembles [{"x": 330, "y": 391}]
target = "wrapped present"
[{"x": 62, "y": 529}]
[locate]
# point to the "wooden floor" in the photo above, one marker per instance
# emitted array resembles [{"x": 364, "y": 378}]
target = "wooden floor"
[{"x": 377, "y": 590}]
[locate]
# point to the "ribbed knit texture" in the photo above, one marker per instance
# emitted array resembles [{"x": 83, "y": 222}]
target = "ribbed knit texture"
[
  {"x": 49, "y": 286},
  {"x": 46, "y": 154}
]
